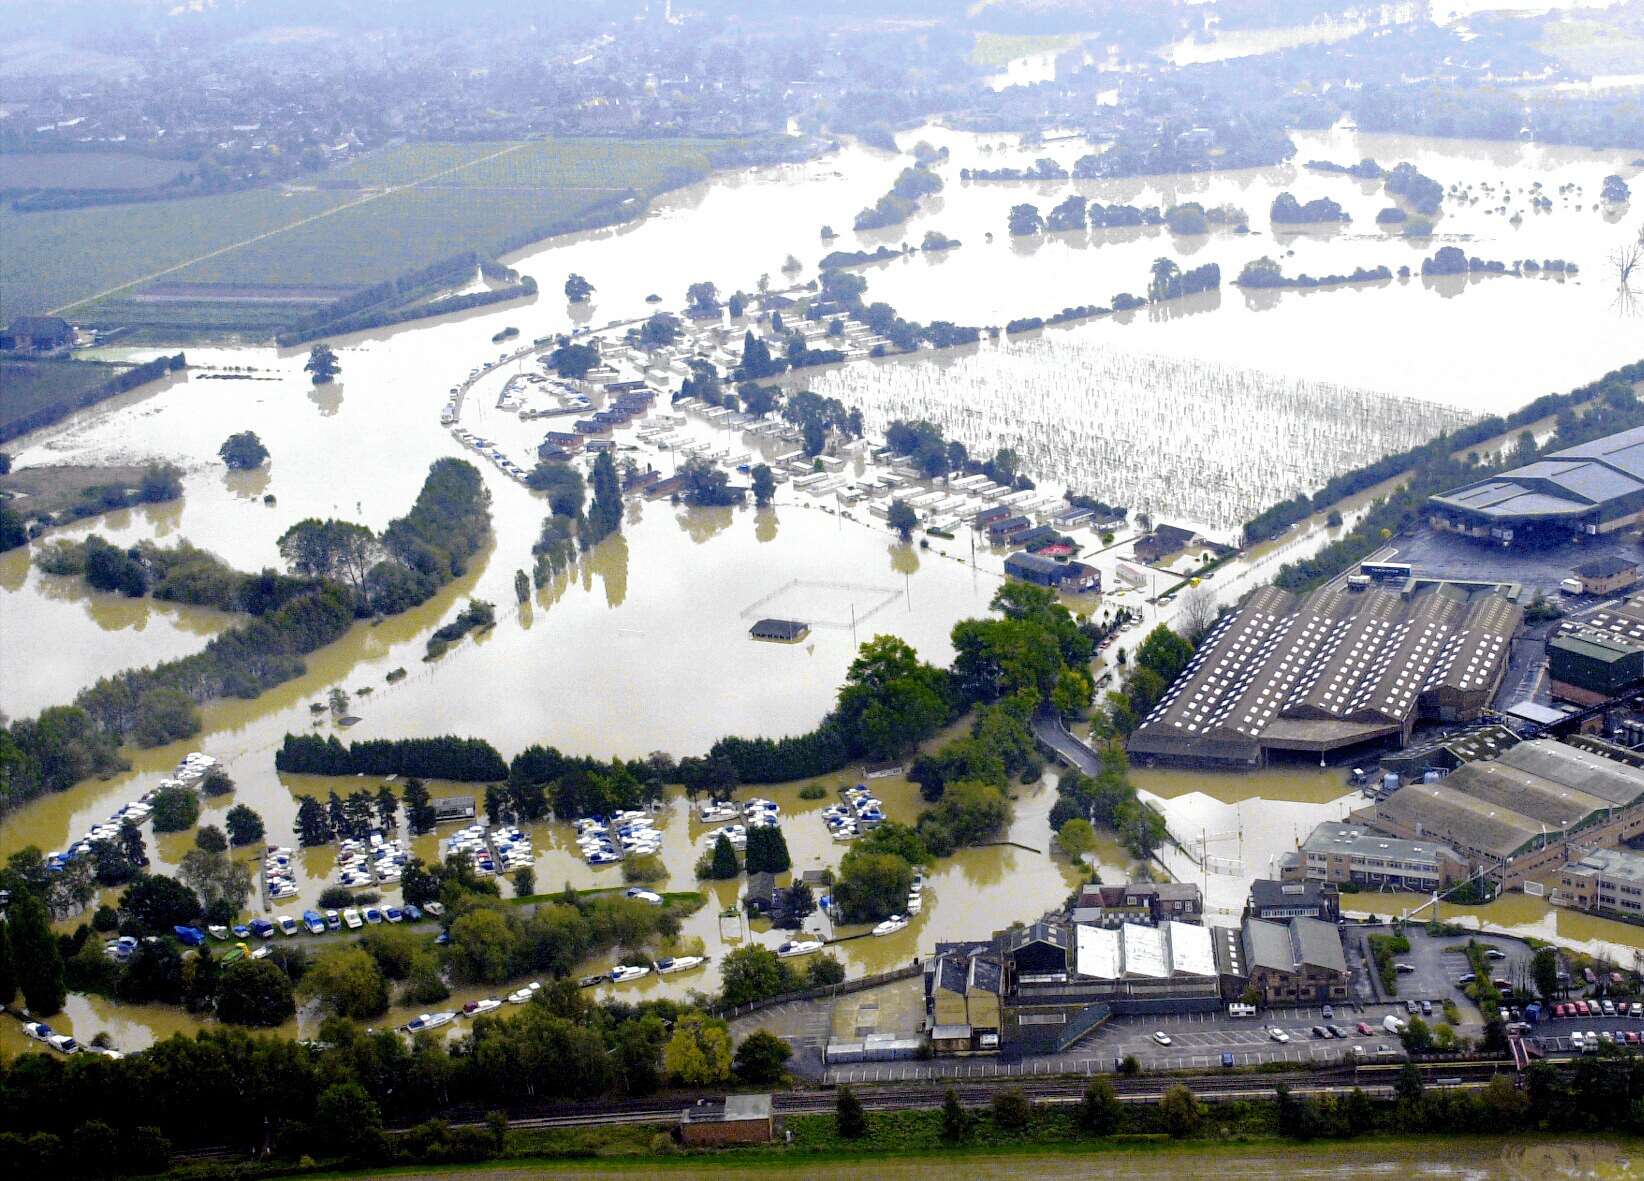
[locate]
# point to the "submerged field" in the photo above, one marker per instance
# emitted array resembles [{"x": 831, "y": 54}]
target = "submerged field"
[{"x": 389, "y": 213}]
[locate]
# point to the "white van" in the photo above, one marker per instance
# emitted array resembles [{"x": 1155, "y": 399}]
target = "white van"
[
  {"x": 1240, "y": 1009},
  {"x": 1392, "y": 1024}
]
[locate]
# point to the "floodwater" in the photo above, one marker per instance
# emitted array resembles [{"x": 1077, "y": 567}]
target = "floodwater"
[
  {"x": 1516, "y": 914},
  {"x": 643, "y": 645}
]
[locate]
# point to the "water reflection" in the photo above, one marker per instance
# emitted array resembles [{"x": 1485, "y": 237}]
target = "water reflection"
[
  {"x": 702, "y": 523},
  {"x": 328, "y": 398},
  {"x": 765, "y": 523},
  {"x": 248, "y": 485}
]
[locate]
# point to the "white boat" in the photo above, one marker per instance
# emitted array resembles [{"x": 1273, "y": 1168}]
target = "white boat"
[
  {"x": 623, "y": 973},
  {"x": 475, "y": 1008},
  {"x": 891, "y": 925},
  {"x": 683, "y": 963},
  {"x": 525, "y": 994},
  {"x": 352, "y": 918},
  {"x": 715, "y": 812},
  {"x": 916, "y": 903},
  {"x": 217, "y": 932},
  {"x": 799, "y": 947},
  {"x": 263, "y": 952},
  {"x": 38, "y": 1030},
  {"x": 428, "y": 1021}
]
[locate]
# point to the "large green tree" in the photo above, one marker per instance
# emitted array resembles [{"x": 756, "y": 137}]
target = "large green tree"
[{"x": 39, "y": 963}]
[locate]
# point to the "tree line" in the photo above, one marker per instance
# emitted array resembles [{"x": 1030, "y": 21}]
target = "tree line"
[
  {"x": 1274, "y": 520},
  {"x": 343, "y": 571},
  {"x": 1437, "y": 470}
]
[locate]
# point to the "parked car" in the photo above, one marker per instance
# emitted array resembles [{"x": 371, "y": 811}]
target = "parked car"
[
  {"x": 1278, "y": 1034},
  {"x": 1161, "y": 1037},
  {"x": 1329, "y": 1013},
  {"x": 1492, "y": 953},
  {"x": 1411, "y": 1007},
  {"x": 1364, "y": 1029},
  {"x": 1319, "y": 1031},
  {"x": 1426, "y": 1008}
]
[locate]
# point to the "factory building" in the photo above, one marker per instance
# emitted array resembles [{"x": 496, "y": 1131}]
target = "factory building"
[
  {"x": 1332, "y": 671},
  {"x": 1513, "y": 815},
  {"x": 1589, "y": 489}
]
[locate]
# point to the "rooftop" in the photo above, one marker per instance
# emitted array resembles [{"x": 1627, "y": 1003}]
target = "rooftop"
[
  {"x": 1358, "y": 841},
  {"x": 1612, "y": 863},
  {"x": 1567, "y": 483},
  {"x": 1606, "y": 567}
]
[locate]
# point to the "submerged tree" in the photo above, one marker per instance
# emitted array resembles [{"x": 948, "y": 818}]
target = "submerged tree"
[{"x": 323, "y": 364}]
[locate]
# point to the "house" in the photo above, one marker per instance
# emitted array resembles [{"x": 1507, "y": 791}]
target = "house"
[
  {"x": 1282, "y": 901},
  {"x": 765, "y": 899},
  {"x": 760, "y": 898},
  {"x": 781, "y": 631},
  {"x": 1150, "y": 903},
  {"x": 1004, "y": 527},
  {"x": 1296, "y": 963},
  {"x": 1042, "y": 571},
  {"x": 1340, "y": 853},
  {"x": 736, "y": 1119},
  {"x": 995, "y": 512},
  {"x": 1604, "y": 880},
  {"x": 38, "y": 334},
  {"x": 1164, "y": 541},
  {"x": 1607, "y": 575}
]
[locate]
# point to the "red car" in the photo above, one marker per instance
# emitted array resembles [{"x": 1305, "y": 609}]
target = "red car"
[
  {"x": 1632, "y": 1037},
  {"x": 1364, "y": 1030},
  {"x": 1581, "y": 1007},
  {"x": 1561, "y": 1010}
]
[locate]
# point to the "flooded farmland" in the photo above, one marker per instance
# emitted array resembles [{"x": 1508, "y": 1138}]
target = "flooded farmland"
[{"x": 643, "y": 645}]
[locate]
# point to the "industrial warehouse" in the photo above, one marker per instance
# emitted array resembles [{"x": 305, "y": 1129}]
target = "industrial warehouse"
[
  {"x": 1511, "y": 816},
  {"x": 1333, "y": 671},
  {"x": 1592, "y": 488}
]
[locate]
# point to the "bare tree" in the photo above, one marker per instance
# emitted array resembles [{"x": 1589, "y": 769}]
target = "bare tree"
[{"x": 1197, "y": 615}]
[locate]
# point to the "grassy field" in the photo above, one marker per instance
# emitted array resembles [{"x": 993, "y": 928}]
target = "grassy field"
[
  {"x": 86, "y": 170},
  {"x": 1606, "y": 43},
  {"x": 27, "y": 386},
  {"x": 465, "y": 196},
  {"x": 997, "y": 50}
]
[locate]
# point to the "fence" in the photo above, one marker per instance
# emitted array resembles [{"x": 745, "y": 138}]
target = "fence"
[{"x": 843, "y": 988}]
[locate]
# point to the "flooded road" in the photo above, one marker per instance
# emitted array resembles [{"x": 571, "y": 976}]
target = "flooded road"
[{"x": 643, "y": 646}]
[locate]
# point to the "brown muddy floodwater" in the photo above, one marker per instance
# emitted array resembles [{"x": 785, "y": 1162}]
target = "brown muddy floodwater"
[{"x": 643, "y": 646}]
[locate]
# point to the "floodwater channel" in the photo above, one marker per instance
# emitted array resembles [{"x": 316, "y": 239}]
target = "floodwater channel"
[{"x": 643, "y": 646}]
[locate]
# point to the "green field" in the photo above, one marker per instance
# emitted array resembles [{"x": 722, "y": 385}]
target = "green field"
[
  {"x": 461, "y": 197},
  {"x": 27, "y": 386},
  {"x": 86, "y": 170},
  {"x": 1605, "y": 43},
  {"x": 997, "y": 50}
]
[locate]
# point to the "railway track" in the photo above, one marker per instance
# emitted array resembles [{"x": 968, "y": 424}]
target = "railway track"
[{"x": 1376, "y": 1081}]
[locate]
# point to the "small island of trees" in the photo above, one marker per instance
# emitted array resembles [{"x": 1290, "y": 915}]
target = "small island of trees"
[{"x": 243, "y": 451}]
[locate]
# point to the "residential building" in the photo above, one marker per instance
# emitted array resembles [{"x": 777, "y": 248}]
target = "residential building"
[
  {"x": 1048, "y": 572},
  {"x": 1164, "y": 541},
  {"x": 1150, "y": 903},
  {"x": 38, "y": 334},
  {"x": 1604, "y": 880},
  {"x": 1296, "y": 963},
  {"x": 1279, "y": 902}
]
